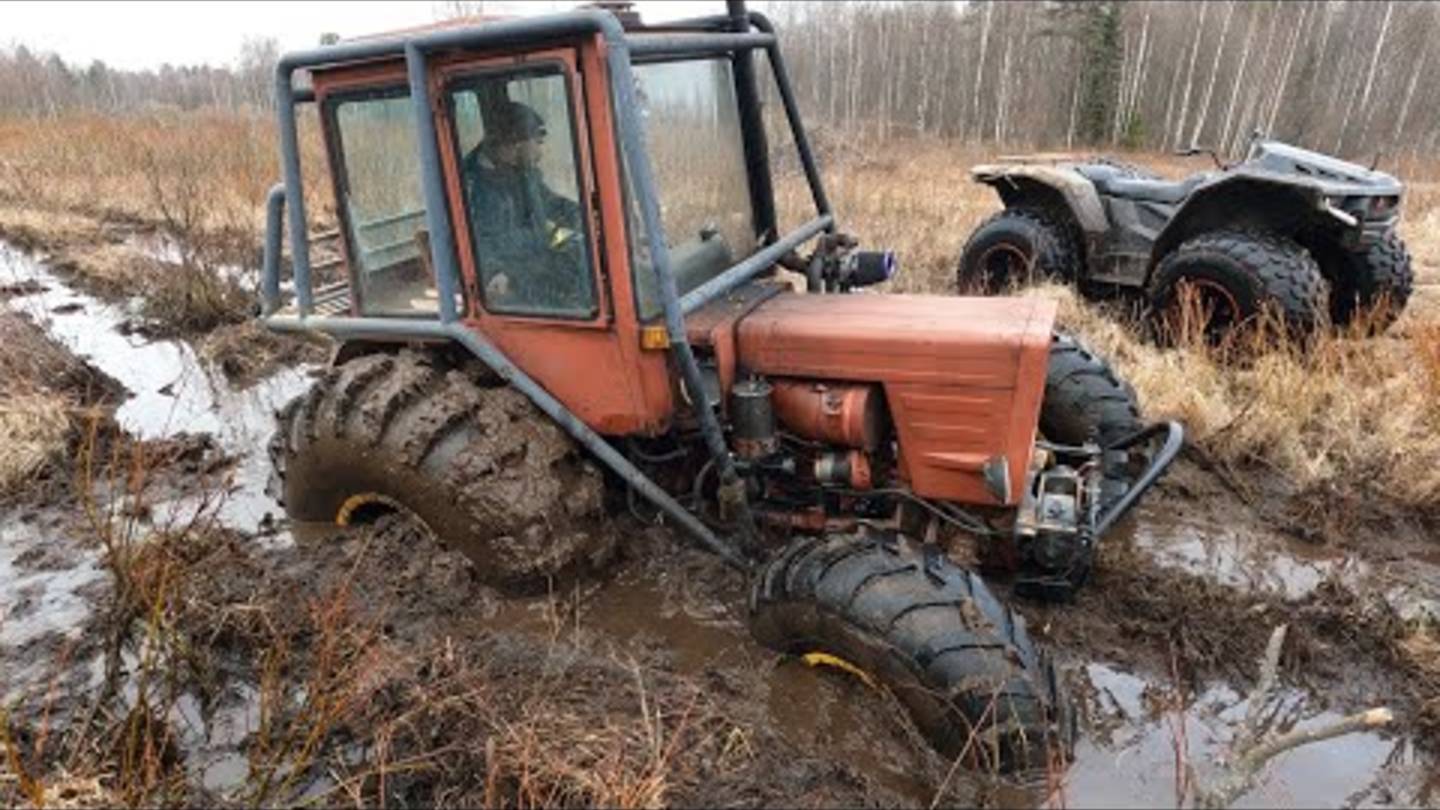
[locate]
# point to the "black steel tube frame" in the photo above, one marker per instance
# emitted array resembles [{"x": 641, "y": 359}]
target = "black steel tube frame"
[
  {"x": 274, "y": 224},
  {"x": 792, "y": 115},
  {"x": 697, "y": 44},
  {"x": 414, "y": 50},
  {"x": 754, "y": 265},
  {"x": 1174, "y": 440}
]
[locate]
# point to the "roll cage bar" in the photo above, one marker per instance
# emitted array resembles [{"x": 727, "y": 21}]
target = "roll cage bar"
[{"x": 738, "y": 33}]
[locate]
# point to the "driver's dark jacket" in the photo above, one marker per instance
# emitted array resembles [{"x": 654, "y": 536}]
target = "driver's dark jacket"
[{"x": 518, "y": 225}]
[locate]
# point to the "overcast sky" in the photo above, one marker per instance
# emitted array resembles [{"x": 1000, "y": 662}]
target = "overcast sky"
[{"x": 138, "y": 35}]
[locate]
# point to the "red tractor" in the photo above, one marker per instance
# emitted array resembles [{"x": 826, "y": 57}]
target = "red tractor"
[{"x": 559, "y": 293}]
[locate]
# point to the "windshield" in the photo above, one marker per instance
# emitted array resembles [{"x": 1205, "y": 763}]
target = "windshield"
[{"x": 692, "y": 126}]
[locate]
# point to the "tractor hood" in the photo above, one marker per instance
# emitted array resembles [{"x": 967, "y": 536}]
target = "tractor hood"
[{"x": 963, "y": 377}]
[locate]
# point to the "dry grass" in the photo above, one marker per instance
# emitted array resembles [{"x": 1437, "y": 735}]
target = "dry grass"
[
  {"x": 42, "y": 386},
  {"x": 81, "y": 187},
  {"x": 1341, "y": 414},
  {"x": 34, "y": 429},
  {"x": 219, "y": 164}
]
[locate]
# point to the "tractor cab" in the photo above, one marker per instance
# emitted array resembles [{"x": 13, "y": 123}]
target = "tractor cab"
[{"x": 525, "y": 201}]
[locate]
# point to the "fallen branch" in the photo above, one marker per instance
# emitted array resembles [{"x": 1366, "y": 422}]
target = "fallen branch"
[{"x": 1255, "y": 745}]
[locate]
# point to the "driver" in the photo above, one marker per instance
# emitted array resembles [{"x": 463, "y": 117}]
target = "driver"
[{"x": 526, "y": 235}]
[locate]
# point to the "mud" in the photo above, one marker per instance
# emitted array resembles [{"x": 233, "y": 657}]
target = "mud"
[{"x": 462, "y": 695}]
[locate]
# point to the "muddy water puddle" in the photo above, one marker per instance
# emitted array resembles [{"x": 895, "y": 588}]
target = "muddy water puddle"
[
  {"x": 171, "y": 392},
  {"x": 812, "y": 708},
  {"x": 1251, "y": 558},
  {"x": 1126, "y": 755},
  {"x": 1242, "y": 555}
]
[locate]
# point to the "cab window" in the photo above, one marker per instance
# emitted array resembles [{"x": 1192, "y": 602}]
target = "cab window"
[
  {"x": 515, "y": 134},
  {"x": 384, "y": 210}
]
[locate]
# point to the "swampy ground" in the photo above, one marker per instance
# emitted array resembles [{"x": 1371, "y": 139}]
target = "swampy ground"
[{"x": 167, "y": 637}]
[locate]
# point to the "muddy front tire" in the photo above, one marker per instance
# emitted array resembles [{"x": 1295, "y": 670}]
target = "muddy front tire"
[
  {"x": 1374, "y": 286},
  {"x": 1086, "y": 401},
  {"x": 481, "y": 468},
  {"x": 958, "y": 659}
]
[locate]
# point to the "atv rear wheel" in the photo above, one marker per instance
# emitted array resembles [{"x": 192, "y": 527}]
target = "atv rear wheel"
[
  {"x": 1017, "y": 246},
  {"x": 958, "y": 659},
  {"x": 1375, "y": 285},
  {"x": 481, "y": 468},
  {"x": 1233, "y": 276}
]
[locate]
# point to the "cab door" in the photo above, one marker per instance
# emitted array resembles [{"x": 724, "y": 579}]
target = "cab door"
[{"x": 529, "y": 205}]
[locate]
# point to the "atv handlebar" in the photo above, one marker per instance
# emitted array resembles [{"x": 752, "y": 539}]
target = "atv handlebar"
[{"x": 1203, "y": 150}]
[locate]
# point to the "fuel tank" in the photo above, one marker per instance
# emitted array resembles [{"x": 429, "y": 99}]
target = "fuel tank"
[{"x": 963, "y": 377}]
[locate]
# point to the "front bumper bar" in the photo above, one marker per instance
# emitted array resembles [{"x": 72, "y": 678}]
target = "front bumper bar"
[{"x": 1056, "y": 547}]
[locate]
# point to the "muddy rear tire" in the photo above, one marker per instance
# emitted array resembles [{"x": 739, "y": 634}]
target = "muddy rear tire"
[
  {"x": 1017, "y": 246},
  {"x": 481, "y": 468},
  {"x": 958, "y": 659}
]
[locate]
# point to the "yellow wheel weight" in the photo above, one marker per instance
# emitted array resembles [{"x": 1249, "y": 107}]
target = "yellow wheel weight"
[
  {"x": 824, "y": 659},
  {"x": 354, "y": 502}
]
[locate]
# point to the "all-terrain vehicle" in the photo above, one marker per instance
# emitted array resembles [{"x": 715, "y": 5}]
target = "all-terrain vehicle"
[
  {"x": 560, "y": 297},
  {"x": 1311, "y": 236}
]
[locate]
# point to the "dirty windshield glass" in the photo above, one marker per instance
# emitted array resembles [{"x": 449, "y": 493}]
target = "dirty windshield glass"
[{"x": 692, "y": 126}]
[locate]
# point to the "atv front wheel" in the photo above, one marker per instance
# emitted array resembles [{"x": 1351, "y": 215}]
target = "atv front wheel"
[
  {"x": 1017, "y": 246},
  {"x": 1226, "y": 279},
  {"x": 958, "y": 659},
  {"x": 1375, "y": 285},
  {"x": 481, "y": 468}
]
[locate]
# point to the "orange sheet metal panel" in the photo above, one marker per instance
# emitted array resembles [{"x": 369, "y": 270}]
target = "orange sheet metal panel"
[
  {"x": 712, "y": 327},
  {"x": 848, "y": 415},
  {"x": 963, "y": 376}
]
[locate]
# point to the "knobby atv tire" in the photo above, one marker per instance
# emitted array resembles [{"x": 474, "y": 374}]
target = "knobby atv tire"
[
  {"x": 1378, "y": 281},
  {"x": 1085, "y": 401},
  {"x": 481, "y": 468},
  {"x": 1048, "y": 248},
  {"x": 958, "y": 659},
  {"x": 1255, "y": 269}
]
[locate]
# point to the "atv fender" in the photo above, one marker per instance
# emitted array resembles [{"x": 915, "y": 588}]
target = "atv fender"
[
  {"x": 1021, "y": 184},
  {"x": 1249, "y": 199}
]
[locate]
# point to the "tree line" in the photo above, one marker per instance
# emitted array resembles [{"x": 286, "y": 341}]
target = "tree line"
[
  {"x": 1351, "y": 77},
  {"x": 34, "y": 84},
  {"x": 1346, "y": 76}
]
